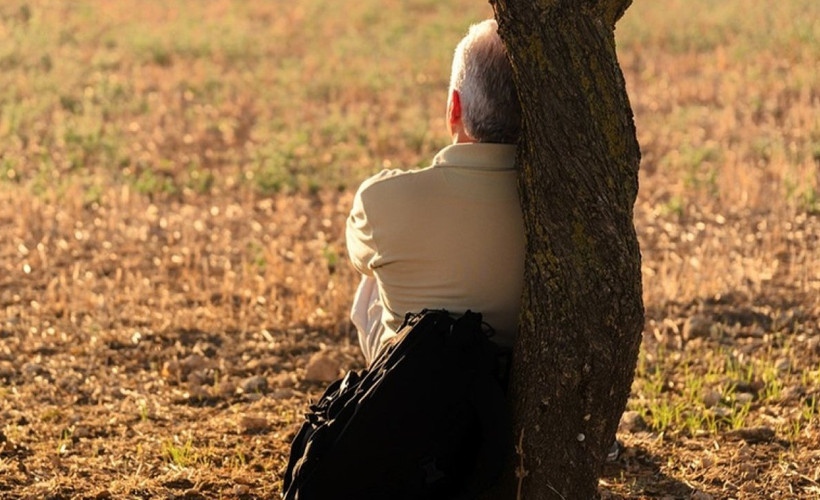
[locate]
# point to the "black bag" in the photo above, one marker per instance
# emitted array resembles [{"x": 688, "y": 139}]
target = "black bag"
[{"x": 426, "y": 420}]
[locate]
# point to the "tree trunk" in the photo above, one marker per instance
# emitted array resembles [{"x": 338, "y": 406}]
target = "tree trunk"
[{"x": 582, "y": 316}]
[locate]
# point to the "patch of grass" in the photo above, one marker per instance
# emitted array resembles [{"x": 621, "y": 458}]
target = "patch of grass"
[
  {"x": 773, "y": 384},
  {"x": 150, "y": 183},
  {"x": 810, "y": 409},
  {"x": 93, "y": 194},
  {"x": 180, "y": 455},
  {"x": 200, "y": 180},
  {"x": 737, "y": 418},
  {"x": 810, "y": 200},
  {"x": 664, "y": 415}
]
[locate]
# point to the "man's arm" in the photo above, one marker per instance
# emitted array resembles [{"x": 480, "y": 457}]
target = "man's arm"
[{"x": 361, "y": 246}]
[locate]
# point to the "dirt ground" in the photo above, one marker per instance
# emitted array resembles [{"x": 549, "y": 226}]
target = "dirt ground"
[{"x": 161, "y": 350}]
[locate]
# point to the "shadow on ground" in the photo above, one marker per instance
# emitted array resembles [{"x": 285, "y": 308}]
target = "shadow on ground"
[{"x": 637, "y": 474}]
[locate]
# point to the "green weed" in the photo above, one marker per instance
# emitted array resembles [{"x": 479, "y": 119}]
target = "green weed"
[
  {"x": 64, "y": 442},
  {"x": 143, "y": 411},
  {"x": 181, "y": 456},
  {"x": 737, "y": 419},
  {"x": 773, "y": 384},
  {"x": 809, "y": 410},
  {"x": 664, "y": 415}
]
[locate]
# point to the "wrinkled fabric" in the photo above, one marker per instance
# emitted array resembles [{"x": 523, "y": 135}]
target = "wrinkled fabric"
[
  {"x": 366, "y": 315},
  {"x": 448, "y": 236}
]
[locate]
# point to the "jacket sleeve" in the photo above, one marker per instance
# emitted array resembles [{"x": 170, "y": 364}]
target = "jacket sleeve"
[{"x": 361, "y": 246}]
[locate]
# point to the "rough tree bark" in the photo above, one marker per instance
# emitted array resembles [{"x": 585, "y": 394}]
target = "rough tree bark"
[{"x": 582, "y": 311}]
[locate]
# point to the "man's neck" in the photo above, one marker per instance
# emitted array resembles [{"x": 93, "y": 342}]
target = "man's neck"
[{"x": 461, "y": 137}]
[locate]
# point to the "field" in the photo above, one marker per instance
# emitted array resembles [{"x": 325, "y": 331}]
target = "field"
[{"x": 174, "y": 180}]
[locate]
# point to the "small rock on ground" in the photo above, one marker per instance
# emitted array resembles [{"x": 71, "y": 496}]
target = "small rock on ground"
[
  {"x": 253, "y": 424},
  {"x": 632, "y": 421},
  {"x": 241, "y": 490},
  {"x": 193, "y": 363},
  {"x": 284, "y": 379},
  {"x": 7, "y": 370},
  {"x": 743, "y": 398},
  {"x": 783, "y": 364},
  {"x": 697, "y": 326},
  {"x": 722, "y": 412},
  {"x": 32, "y": 369},
  {"x": 283, "y": 393},
  {"x": 711, "y": 398},
  {"x": 254, "y": 384},
  {"x": 322, "y": 368},
  {"x": 753, "y": 434},
  {"x": 225, "y": 389}
]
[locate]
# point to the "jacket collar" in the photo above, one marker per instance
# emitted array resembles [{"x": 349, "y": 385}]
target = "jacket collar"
[{"x": 481, "y": 155}]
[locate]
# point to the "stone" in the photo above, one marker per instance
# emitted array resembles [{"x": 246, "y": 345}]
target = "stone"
[
  {"x": 748, "y": 471},
  {"x": 813, "y": 344},
  {"x": 744, "y": 398},
  {"x": 282, "y": 393},
  {"x": 32, "y": 369},
  {"x": 697, "y": 326},
  {"x": 83, "y": 431},
  {"x": 752, "y": 387},
  {"x": 721, "y": 412},
  {"x": 198, "y": 392},
  {"x": 632, "y": 421},
  {"x": 284, "y": 379},
  {"x": 711, "y": 398},
  {"x": 783, "y": 364},
  {"x": 69, "y": 381},
  {"x": 253, "y": 424},
  {"x": 255, "y": 384},
  {"x": 193, "y": 363},
  {"x": 199, "y": 377},
  {"x": 171, "y": 370},
  {"x": 752, "y": 434},
  {"x": 270, "y": 362},
  {"x": 792, "y": 393},
  {"x": 7, "y": 370},
  {"x": 322, "y": 368},
  {"x": 252, "y": 396},
  {"x": 225, "y": 389},
  {"x": 241, "y": 490}
]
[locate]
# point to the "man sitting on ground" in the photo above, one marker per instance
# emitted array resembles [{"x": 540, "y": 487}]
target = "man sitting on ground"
[{"x": 449, "y": 236}]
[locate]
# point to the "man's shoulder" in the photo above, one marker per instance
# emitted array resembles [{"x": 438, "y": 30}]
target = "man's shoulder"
[{"x": 394, "y": 182}]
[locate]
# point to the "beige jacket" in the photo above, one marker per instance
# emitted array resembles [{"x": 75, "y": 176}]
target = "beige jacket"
[{"x": 447, "y": 236}]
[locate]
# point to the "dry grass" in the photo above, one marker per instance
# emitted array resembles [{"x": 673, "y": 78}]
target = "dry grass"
[{"x": 174, "y": 178}]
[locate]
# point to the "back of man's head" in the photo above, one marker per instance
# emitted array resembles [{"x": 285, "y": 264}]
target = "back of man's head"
[{"x": 483, "y": 78}]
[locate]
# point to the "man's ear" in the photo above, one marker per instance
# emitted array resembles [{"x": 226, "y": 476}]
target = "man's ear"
[{"x": 454, "y": 110}]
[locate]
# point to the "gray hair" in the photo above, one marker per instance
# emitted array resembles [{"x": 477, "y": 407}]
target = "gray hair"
[{"x": 483, "y": 78}]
